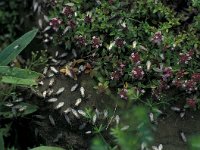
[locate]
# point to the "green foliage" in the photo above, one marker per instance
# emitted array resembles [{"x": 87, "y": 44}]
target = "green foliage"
[
  {"x": 38, "y": 60},
  {"x": 20, "y": 110},
  {"x": 130, "y": 133},
  {"x": 1, "y": 142},
  {"x": 98, "y": 144},
  {"x": 194, "y": 143},
  {"x": 12, "y": 18},
  {"x": 16, "y": 75},
  {"x": 138, "y": 130},
  {"x": 10, "y": 52},
  {"x": 142, "y": 44}
]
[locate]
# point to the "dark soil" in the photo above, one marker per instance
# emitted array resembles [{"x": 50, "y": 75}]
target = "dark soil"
[
  {"x": 169, "y": 128},
  {"x": 72, "y": 136}
]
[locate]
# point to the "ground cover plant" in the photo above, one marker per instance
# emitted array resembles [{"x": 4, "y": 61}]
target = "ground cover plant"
[
  {"x": 143, "y": 54},
  {"x": 144, "y": 49}
]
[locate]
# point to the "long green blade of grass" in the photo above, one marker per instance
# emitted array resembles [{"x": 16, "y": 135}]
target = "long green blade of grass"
[{"x": 10, "y": 52}]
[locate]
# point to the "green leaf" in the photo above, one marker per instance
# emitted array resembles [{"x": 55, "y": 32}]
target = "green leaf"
[
  {"x": 28, "y": 109},
  {"x": 1, "y": 142},
  {"x": 10, "y": 52},
  {"x": 98, "y": 144},
  {"x": 194, "y": 143},
  {"x": 47, "y": 148},
  {"x": 18, "y": 76}
]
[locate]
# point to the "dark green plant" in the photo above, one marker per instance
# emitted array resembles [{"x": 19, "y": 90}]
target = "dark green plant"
[
  {"x": 12, "y": 18},
  {"x": 129, "y": 134},
  {"x": 11, "y": 104},
  {"x": 16, "y": 75},
  {"x": 138, "y": 46},
  {"x": 194, "y": 142}
]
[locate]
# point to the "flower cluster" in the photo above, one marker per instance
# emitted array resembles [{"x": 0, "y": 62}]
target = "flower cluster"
[
  {"x": 71, "y": 24},
  {"x": 88, "y": 19},
  {"x": 189, "y": 85},
  {"x": 55, "y": 23},
  {"x": 123, "y": 93},
  {"x": 81, "y": 41},
  {"x": 185, "y": 58},
  {"x": 135, "y": 57},
  {"x": 53, "y": 2},
  {"x": 167, "y": 73},
  {"x": 119, "y": 42},
  {"x": 96, "y": 42},
  {"x": 138, "y": 73},
  {"x": 119, "y": 72},
  {"x": 191, "y": 102},
  {"x": 157, "y": 38},
  {"x": 196, "y": 77},
  {"x": 158, "y": 61},
  {"x": 68, "y": 11},
  {"x": 116, "y": 75}
]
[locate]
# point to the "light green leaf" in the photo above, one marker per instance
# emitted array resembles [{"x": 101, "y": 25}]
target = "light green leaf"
[
  {"x": 47, "y": 148},
  {"x": 18, "y": 76},
  {"x": 10, "y": 52}
]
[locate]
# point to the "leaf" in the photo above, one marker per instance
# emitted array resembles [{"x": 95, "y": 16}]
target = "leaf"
[
  {"x": 1, "y": 142},
  {"x": 47, "y": 148},
  {"x": 18, "y": 76},
  {"x": 29, "y": 109},
  {"x": 98, "y": 144},
  {"x": 10, "y": 52},
  {"x": 70, "y": 4},
  {"x": 194, "y": 143}
]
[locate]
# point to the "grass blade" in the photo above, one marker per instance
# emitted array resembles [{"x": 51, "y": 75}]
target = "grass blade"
[{"x": 10, "y": 52}]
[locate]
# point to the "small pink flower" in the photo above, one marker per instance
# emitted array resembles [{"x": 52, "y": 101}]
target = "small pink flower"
[
  {"x": 196, "y": 77},
  {"x": 119, "y": 42},
  {"x": 53, "y": 2},
  {"x": 81, "y": 41},
  {"x": 167, "y": 73},
  {"x": 163, "y": 86},
  {"x": 96, "y": 42},
  {"x": 121, "y": 65},
  {"x": 116, "y": 75},
  {"x": 71, "y": 24},
  {"x": 191, "y": 102},
  {"x": 111, "y": 1},
  {"x": 157, "y": 38},
  {"x": 184, "y": 58},
  {"x": 180, "y": 74},
  {"x": 135, "y": 57},
  {"x": 177, "y": 83},
  {"x": 138, "y": 73},
  {"x": 191, "y": 53},
  {"x": 55, "y": 23},
  {"x": 88, "y": 19},
  {"x": 123, "y": 93},
  {"x": 68, "y": 11},
  {"x": 189, "y": 85}
]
